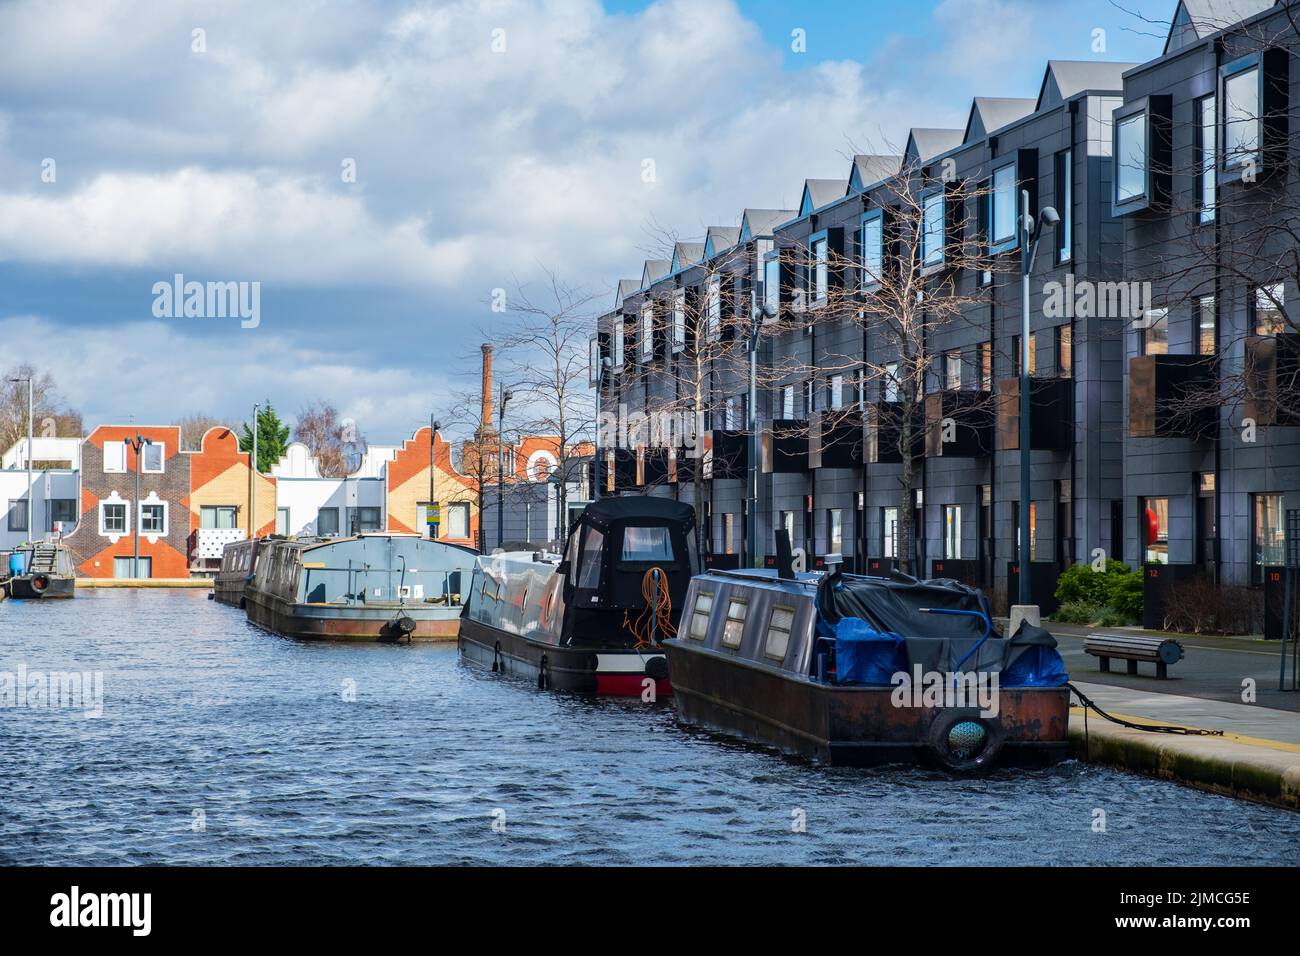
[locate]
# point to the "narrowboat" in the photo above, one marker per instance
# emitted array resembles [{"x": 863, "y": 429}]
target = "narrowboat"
[
  {"x": 237, "y": 560},
  {"x": 371, "y": 587},
  {"x": 858, "y": 671},
  {"x": 593, "y": 619},
  {"x": 40, "y": 569}
]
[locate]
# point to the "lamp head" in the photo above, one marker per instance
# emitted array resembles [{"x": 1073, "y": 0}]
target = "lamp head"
[{"x": 1049, "y": 216}]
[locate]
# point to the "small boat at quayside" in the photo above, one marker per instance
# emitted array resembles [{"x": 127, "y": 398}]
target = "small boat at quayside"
[
  {"x": 380, "y": 586},
  {"x": 592, "y": 620},
  {"x": 40, "y": 569},
  {"x": 237, "y": 561},
  {"x": 860, "y": 671}
]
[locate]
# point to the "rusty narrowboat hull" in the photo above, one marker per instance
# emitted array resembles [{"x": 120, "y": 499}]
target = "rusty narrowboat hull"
[{"x": 853, "y": 726}]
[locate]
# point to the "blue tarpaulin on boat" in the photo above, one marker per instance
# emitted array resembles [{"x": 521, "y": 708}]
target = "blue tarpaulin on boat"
[
  {"x": 1037, "y": 666},
  {"x": 864, "y": 655}
]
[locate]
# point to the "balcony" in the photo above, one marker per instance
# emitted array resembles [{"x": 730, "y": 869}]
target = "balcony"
[
  {"x": 1051, "y": 414},
  {"x": 1273, "y": 379},
  {"x": 835, "y": 440},
  {"x": 625, "y": 469},
  {"x": 958, "y": 424},
  {"x": 207, "y": 545},
  {"x": 728, "y": 454},
  {"x": 1171, "y": 396},
  {"x": 883, "y": 433},
  {"x": 785, "y": 447}
]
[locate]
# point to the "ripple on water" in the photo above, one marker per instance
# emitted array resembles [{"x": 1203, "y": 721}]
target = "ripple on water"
[{"x": 203, "y": 712}]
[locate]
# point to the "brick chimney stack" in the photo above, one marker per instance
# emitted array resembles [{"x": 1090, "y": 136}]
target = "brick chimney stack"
[{"x": 485, "y": 416}]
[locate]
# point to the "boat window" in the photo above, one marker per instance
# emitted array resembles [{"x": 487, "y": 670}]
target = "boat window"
[
  {"x": 779, "y": 626},
  {"x": 589, "y": 567},
  {"x": 700, "y": 615},
  {"x": 734, "y": 629},
  {"x": 647, "y": 544}
]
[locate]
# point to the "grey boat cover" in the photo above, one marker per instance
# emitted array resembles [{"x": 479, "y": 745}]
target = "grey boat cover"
[{"x": 938, "y": 641}]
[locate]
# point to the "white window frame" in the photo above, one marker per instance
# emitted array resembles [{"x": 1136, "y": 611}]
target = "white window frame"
[
  {"x": 679, "y": 320},
  {"x": 162, "y": 458},
  {"x": 120, "y": 448},
  {"x": 126, "y": 517},
  {"x": 165, "y": 518}
]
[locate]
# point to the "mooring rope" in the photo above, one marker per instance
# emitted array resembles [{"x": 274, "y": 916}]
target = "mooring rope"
[{"x": 1090, "y": 704}]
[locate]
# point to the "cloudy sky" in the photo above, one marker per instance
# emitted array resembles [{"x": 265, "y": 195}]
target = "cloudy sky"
[{"x": 489, "y": 138}]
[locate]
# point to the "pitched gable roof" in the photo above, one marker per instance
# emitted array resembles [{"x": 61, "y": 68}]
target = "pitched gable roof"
[
  {"x": 1197, "y": 19},
  {"x": 821, "y": 192},
  {"x": 758, "y": 223},
  {"x": 990, "y": 113},
  {"x": 719, "y": 239},
  {"x": 924, "y": 145},
  {"x": 626, "y": 287},
  {"x": 655, "y": 269},
  {"x": 1066, "y": 78},
  {"x": 867, "y": 170},
  {"x": 685, "y": 255}
]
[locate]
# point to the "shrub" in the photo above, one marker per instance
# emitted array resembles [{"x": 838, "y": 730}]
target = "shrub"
[
  {"x": 1077, "y": 612},
  {"x": 1081, "y": 583},
  {"x": 1126, "y": 598},
  {"x": 1112, "y": 618},
  {"x": 1198, "y": 606}
]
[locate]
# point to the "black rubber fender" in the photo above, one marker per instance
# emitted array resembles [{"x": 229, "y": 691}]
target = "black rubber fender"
[
  {"x": 543, "y": 673},
  {"x": 937, "y": 740}
]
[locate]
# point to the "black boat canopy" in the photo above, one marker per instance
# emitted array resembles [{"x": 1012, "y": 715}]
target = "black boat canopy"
[{"x": 604, "y": 513}]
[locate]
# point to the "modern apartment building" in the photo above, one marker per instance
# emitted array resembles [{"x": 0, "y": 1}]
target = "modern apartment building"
[{"x": 1120, "y": 326}]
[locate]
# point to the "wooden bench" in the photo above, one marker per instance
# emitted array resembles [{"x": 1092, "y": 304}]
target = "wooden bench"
[{"x": 1161, "y": 651}]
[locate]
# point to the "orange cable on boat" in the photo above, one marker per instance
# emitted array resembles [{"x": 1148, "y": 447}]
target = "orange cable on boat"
[{"x": 658, "y": 611}]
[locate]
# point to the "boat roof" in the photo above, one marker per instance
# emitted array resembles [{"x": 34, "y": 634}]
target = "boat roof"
[{"x": 606, "y": 511}]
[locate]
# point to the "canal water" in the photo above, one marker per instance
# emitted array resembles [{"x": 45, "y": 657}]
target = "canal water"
[{"x": 221, "y": 744}]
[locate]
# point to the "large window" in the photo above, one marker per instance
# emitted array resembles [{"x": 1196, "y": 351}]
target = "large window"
[
  {"x": 932, "y": 235},
  {"x": 1269, "y": 538},
  {"x": 1065, "y": 351},
  {"x": 647, "y": 544},
  {"x": 835, "y": 531},
  {"x": 1002, "y": 208},
  {"x": 679, "y": 321},
  {"x": 952, "y": 532},
  {"x": 1268, "y": 301},
  {"x": 952, "y": 370},
  {"x": 1207, "y": 146},
  {"x": 713, "y": 319},
  {"x": 889, "y": 385},
  {"x": 647, "y": 332},
  {"x": 699, "y": 628},
  {"x": 835, "y": 389},
  {"x": 618, "y": 342},
  {"x": 1154, "y": 339},
  {"x": 367, "y": 519},
  {"x": 18, "y": 514},
  {"x": 779, "y": 626},
  {"x": 819, "y": 251},
  {"x": 458, "y": 520},
  {"x": 734, "y": 628},
  {"x": 62, "y": 510},
  {"x": 1207, "y": 325},
  {"x": 218, "y": 516},
  {"x": 889, "y": 530},
  {"x": 327, "y": 521},
  {"x": 1131, "y": 158},
  {"x": 873, "y": 250},
  {"x": 1155, "y": 530},
  {"x": 1241, "y": 119},
  {"x": 772, "y": 282},
  {"x": 1065, "y": 205},
  {"x": 787, "y": 401}
]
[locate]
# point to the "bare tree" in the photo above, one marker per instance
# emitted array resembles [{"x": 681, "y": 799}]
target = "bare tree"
[
  {"x": 546, "y": 359},
  {"x": 330, "y": 439},
  {"x": 52, "y": 417},
  {"x": 193, "y": 428}
]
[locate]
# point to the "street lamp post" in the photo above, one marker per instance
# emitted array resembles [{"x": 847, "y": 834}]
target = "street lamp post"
[
  {"x": 252, "y": 480},
  {"x": 137, "y": 445},
  {"x": 30, "y": 438},
  {"x": 1031, "y": 230},
  {"x": 506, "y": 395},
  {"x": 429, "y": 523},
  {"x": 756, "y": 316}
]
